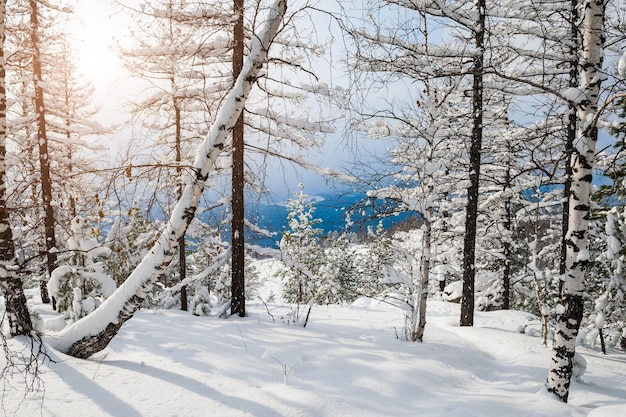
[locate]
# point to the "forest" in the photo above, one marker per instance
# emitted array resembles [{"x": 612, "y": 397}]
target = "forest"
[{"x": 485, "y": 138}]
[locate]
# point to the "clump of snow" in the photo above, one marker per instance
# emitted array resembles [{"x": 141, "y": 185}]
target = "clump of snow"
[
  {"x": 453, "y": 291},
  {"x": 621, "y": 65},
  {"x": 574, "y": 94}
]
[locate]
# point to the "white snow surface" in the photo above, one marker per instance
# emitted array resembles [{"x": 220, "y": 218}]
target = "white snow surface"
[{"x": 346, "y": 362}]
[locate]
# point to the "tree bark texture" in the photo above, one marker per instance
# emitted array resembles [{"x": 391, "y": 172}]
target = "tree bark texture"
[
  {"x": 182, "y": 254},
  {"x": 44, "y": 156},
  {"x": 238, "y": 303},
  {"x": 570, "y": 309},
  {"x": 10, "y": 283},
  {"x": 471, "y": 213},
  {"x": 93, "y": 333}
]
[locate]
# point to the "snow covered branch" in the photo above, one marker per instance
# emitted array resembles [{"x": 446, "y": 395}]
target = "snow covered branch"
[{"x": 94, "y": 332}]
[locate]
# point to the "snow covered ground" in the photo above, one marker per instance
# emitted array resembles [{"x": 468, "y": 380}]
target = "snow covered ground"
[{"x": 346, "y": 362}]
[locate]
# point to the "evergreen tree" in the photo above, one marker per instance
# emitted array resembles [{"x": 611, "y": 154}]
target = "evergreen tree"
[
  {"x": 300, "y": 249},
  {"x": 337, "y": 280},
  {"x": 374, "y": 260},
  {"x": 129, "y": 239},
  {"x": 81, "y": 284}
]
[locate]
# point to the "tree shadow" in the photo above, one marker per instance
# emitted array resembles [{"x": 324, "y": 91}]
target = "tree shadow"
[
  {"x": 107, "y": 401},
  {"x": 195, "y": 386}
]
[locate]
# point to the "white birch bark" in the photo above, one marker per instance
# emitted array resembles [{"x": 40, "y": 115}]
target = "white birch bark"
[
  {"x": 93, "y": 333},
  {"x": 570, "y": 309}
]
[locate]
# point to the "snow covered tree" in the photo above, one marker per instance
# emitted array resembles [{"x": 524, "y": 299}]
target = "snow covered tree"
[
  {"x": 129, "y": 239},
  {"x": 337, "y": 278},
  {"x": 300, "y": 249},
  {"x": 570, "y": 308},
  {"x": 80, "y": 284},
  {"x": 180, "y": 51},
  {"x": 210, "y": 283},
  {"x": 238, "y": 279},
  {"x": 400, "y": 53},
  {"x": 606, "y": 319},
  {"x": 404, "y": 285},
  {"x": 199, "y": 41},
  {"x": 10, "y": 283},
  {"x": 42, "y": 141},
  {"x": 50, "y": 114},
  {"x": 94, "y": 332},
  {"x": 373, "y": 258}
]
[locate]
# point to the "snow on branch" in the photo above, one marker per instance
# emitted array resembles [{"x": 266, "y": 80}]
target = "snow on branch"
[{"x": 94, "y": 332}]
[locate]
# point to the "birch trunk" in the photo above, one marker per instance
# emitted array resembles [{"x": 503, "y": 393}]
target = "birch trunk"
[
  {"x": 94, "y": 332},
  {"x": 570, "y": 309}
]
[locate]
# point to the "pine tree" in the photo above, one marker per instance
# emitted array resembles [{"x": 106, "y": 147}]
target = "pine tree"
[
  {"x": 129, "y": 239},
  {"x": 374, "y": 260}
]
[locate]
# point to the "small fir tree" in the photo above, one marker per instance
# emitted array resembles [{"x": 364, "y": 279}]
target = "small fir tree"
[
  {"x": 300, "y": 250},
  {"x": 338, "y": 280},
  {"x": 81, "y": 284},
  {"x": 129, "y": 239},
  {"x": 373, "y": 263}
]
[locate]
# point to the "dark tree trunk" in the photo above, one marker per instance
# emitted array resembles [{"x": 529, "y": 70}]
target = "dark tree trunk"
[
  {"x": 471, "y": 213},
  {"x": 572, "y": 125},
  {"x": 44, "y": 156},
  {"x": 10, "y": 283},
  {"x": 238, "y": 304},
  {"x": 182, "y": 258},
  {"x": 506, "y": 275}
]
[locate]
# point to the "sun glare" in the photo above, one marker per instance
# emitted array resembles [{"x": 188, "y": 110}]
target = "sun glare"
[{"x": 94, "y": 30}]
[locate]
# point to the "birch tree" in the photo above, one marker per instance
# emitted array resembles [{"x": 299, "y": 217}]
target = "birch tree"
[
  {"x": 570, "y": 308},
  {"x": 94, "y": 332}
]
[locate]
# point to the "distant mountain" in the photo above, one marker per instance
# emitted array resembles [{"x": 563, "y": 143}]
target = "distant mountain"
[{"x": 330, "y": 208}]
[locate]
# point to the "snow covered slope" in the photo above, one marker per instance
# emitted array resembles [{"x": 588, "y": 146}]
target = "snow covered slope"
[{"x": 346, "y": 362}]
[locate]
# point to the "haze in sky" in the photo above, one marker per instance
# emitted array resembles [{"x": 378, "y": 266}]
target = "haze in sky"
[{"x": 97, "y": 27}]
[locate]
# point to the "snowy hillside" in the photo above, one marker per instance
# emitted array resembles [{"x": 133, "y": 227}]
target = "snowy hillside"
[{"x": 346, "y": 362}]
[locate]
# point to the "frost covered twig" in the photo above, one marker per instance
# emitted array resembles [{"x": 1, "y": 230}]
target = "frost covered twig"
[{"x": 286, "y": 369}]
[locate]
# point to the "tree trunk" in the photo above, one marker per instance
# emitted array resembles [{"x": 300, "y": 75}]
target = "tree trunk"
[
  {"x": 182, "y": 258},
  {"x": 508, "y": 228},
  {"x": 44, "y": 156},
  {"x": 418, "y": 335},
  {"x": 570, "y": 309},
  {"x": 238, "y": 304},
  {"x": 471, "y": 213},
  {"x": 572, "y": 123},
  {"x": 93, "y": 333},
  {"x": 10, "y": 283}
]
